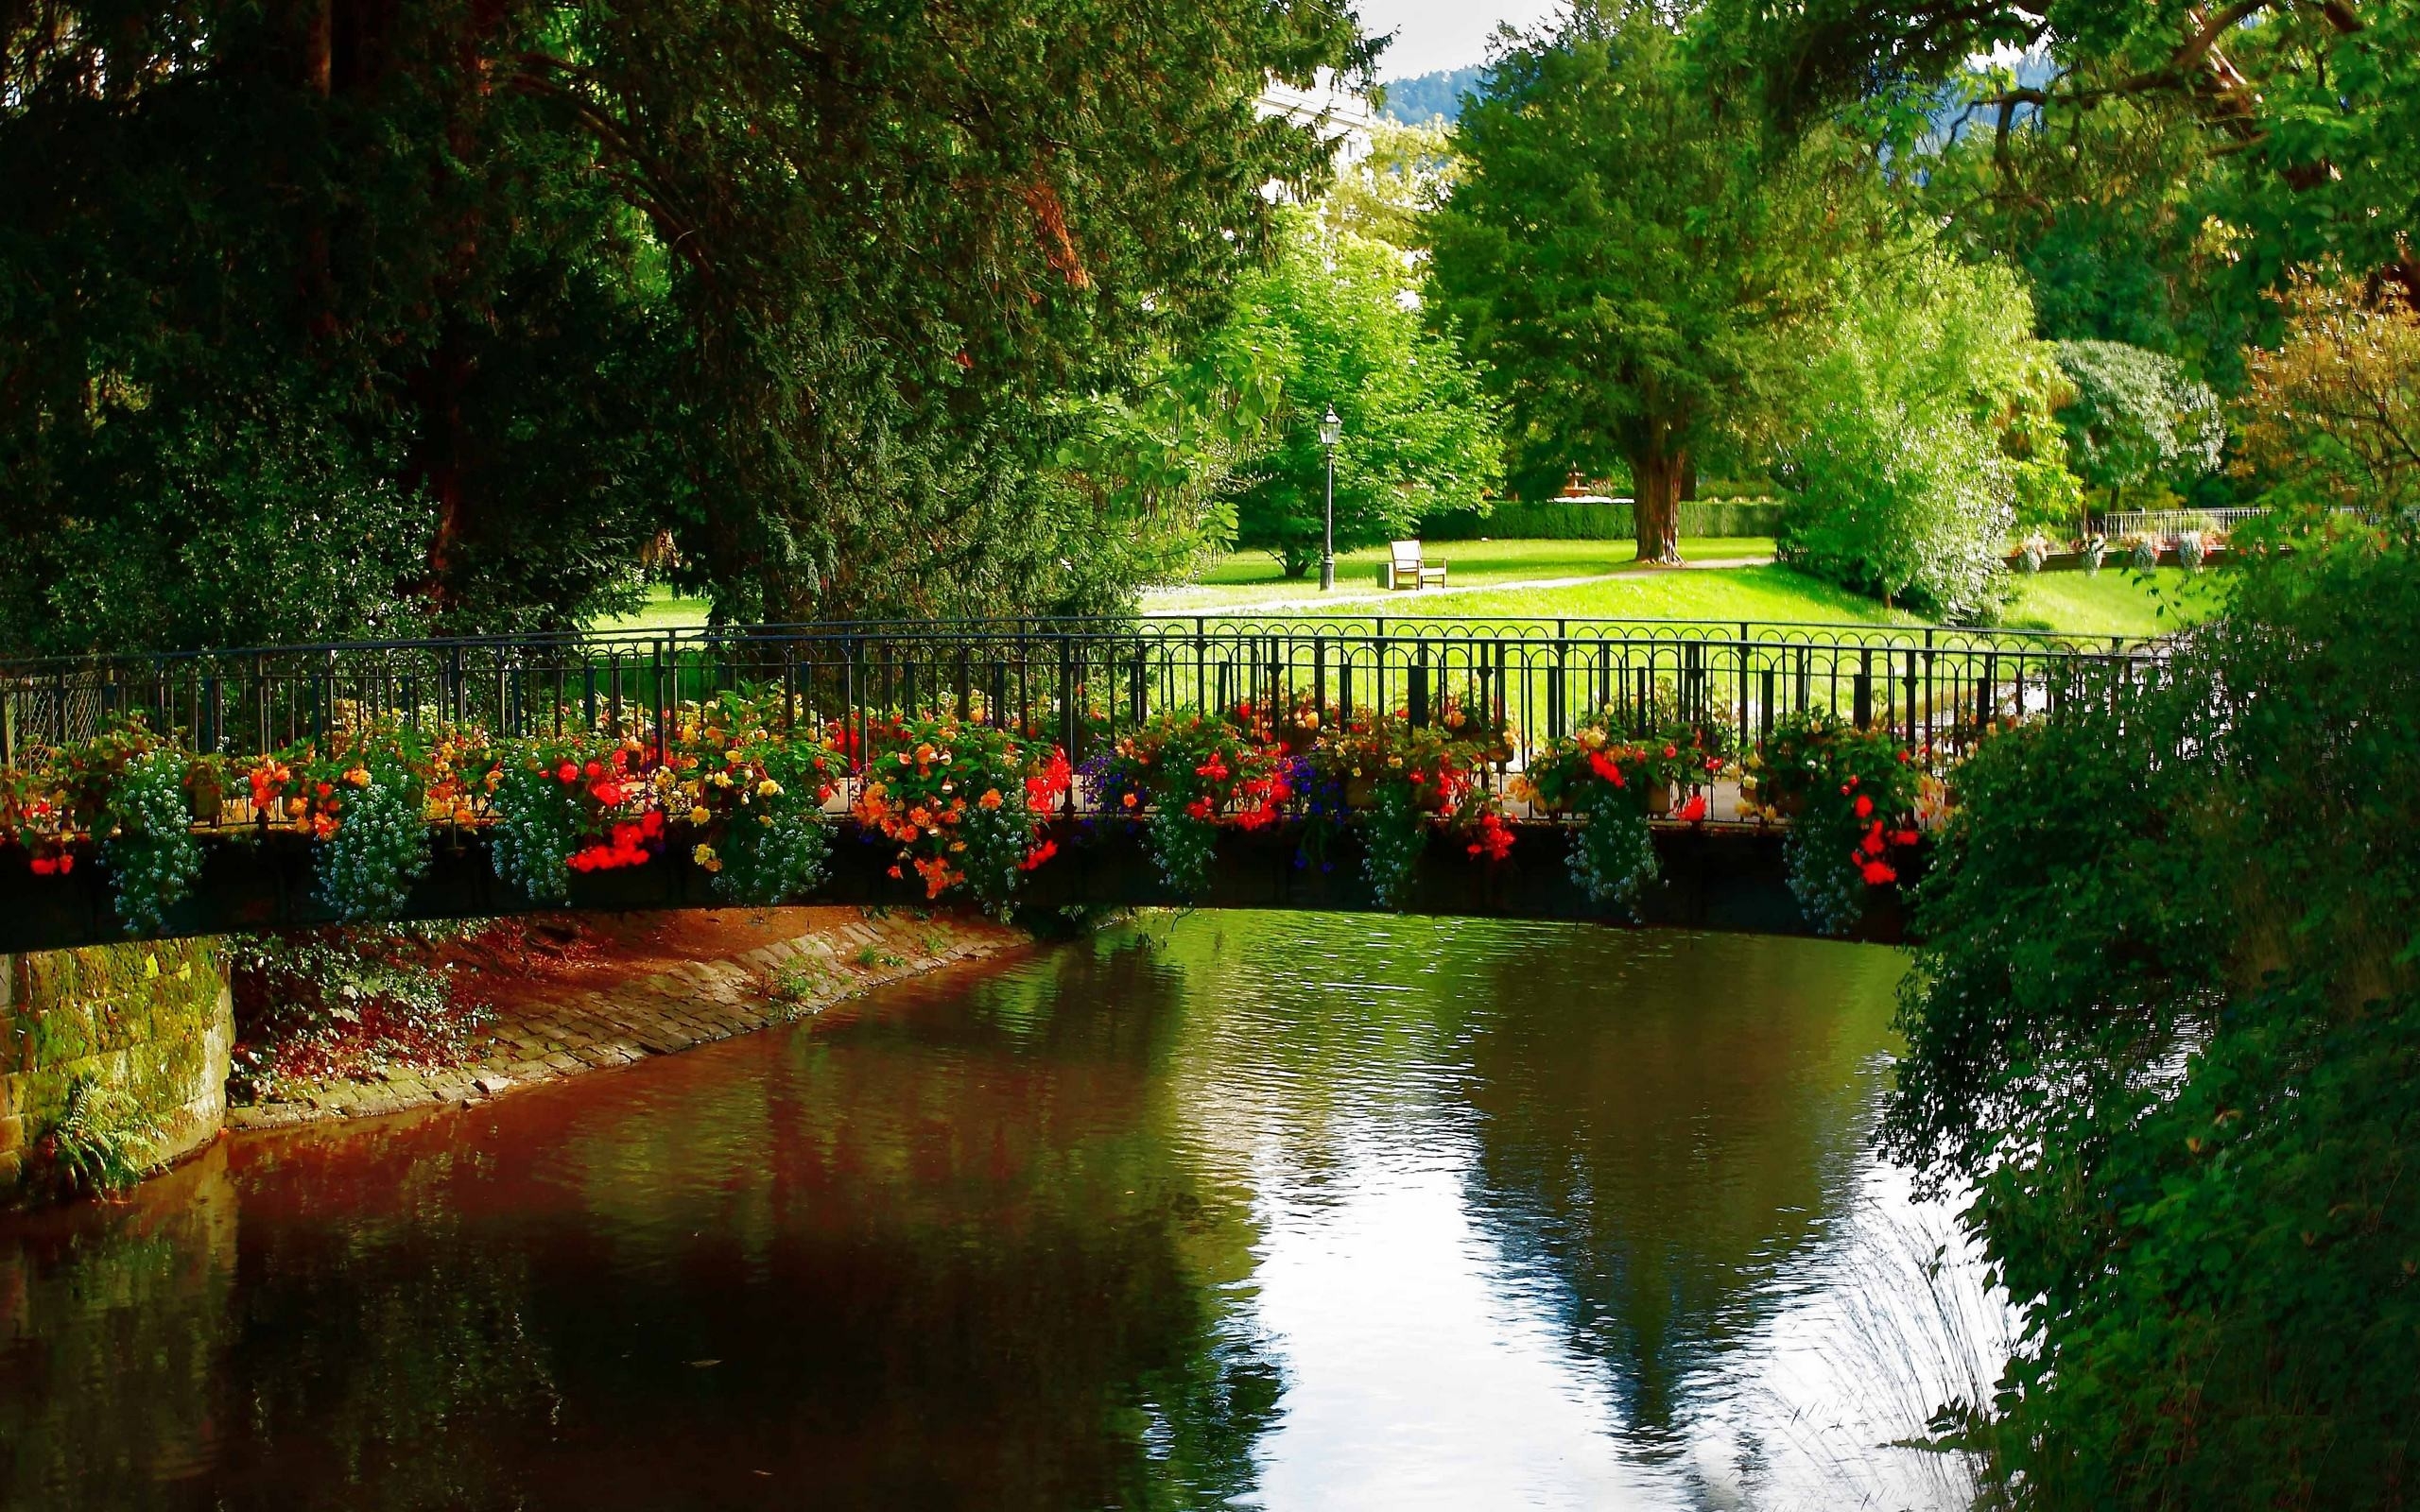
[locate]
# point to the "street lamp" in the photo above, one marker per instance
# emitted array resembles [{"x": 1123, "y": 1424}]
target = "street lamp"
[{"x": 1331, "y": 431}]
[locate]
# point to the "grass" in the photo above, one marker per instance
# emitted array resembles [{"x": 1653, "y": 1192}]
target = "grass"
[
  {"x": 2116, "y": 602},
  {"x": 1245, "y": 577}
]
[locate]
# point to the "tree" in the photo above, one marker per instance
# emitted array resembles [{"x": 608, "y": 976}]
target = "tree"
[
  {"x": 1619, "y": 249},
  {"x": 2332, "y": 416},
  {"x": 451, "y": 306},
  {"x": 1922, "y": 420},
  {"x": 2136, "y": 417},
  {"x": 1338, "y": 320}
]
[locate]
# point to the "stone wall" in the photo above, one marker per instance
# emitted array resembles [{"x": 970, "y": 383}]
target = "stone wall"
[{"x": 155, "y": 1022}]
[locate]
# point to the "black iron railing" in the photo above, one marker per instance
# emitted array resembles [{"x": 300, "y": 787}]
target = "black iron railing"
[{"x": 1076, "y": 682}]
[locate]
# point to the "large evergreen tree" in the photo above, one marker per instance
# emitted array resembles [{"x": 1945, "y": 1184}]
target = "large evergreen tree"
[
  {"x": 323, "y": 317},
  {"x": 1621, "y": 247}
]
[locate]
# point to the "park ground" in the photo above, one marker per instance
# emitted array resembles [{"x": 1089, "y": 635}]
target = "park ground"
[{"x": 1729, "y": 579}]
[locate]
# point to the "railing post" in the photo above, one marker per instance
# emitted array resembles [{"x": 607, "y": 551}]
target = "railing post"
[{"x": 1864, "y": 689}]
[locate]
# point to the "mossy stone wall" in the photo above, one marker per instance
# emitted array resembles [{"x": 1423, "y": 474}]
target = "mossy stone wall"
[{"x": 153, "y": 1021}]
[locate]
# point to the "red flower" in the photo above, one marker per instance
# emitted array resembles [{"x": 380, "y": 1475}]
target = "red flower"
[
  {"x": 1199, "y": 808},
  {"x": 1670, "y": 753},
  {"x": 66, "y": 864},
  {"x": 1864, "y": 806},
  {"x": 1878, "y": 874},
  {"x": 1694, "y": 809},
  {"x": 651, "y": 823},
  {"x": 43, "y": 866},
  {"x": 1038, "y": 855},
  {"x": 596, "y": 770},
  {"x": 565, "y": 774},
  {"x": 1606, "y": 768},
  {"x": 1904, "y": 837},
  {"x": 325, "y": 790},
  {"x": 1874, "y": 843}
]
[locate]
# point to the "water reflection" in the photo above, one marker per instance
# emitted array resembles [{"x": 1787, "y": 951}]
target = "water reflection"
[{"x": 1232, "y": 1210}]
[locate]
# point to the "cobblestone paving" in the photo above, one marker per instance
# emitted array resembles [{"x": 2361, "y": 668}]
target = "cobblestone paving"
[{"x": 658, "y": 1014}]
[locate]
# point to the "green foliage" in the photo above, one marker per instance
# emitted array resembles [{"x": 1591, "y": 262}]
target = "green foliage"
[
  {"x": 348, "y": 1000},
  {"x": 421, "y": 310},
  {"x": 95, "y": 1147},
  {"x": 2166, "y": 1022},
  {"x": 367, "y": 867},
  {"x": 147, "y": 824},
  {"x": 1332, "y": 320},
  {"x": 2136, "y": 417},
  {"x": 1620, "y": 247},
  {"x": 1904, "y": 481}
]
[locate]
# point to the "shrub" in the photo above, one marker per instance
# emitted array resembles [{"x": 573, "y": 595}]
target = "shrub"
[{"x": 2165, "y": 1028}]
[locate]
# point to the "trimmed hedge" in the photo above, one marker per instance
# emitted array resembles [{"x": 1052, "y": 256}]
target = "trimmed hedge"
[{"x": 1556, "y": 520}]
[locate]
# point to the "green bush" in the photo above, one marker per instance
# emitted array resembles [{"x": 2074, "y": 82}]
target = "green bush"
[{"x": 2166, "y": 1024}]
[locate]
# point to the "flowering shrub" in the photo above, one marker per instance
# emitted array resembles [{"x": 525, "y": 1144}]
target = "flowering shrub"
[
  {"x": 1856, "y": 820},
  {"x": 964, "y": 804},
  {"x": 1606, "y": 782},
  {"x": 152, "y": 855},
  {"x": 1393, "y": 778},
  {"x": 1185, "y": 774},
  {"x": 572, "y": 805},
  {"x": 753, "y": 798}
]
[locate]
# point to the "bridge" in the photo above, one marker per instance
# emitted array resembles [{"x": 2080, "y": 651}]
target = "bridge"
[{"x": 1509, "y": 691}]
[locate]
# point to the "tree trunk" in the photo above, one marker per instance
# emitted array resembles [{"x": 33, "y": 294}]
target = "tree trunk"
[{"x": 1655, "y": 479}]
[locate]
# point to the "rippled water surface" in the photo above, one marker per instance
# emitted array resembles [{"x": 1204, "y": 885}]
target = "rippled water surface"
[{"x": 1286, "y": 1211}]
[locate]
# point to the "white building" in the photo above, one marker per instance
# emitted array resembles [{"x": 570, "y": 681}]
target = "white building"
[{"x": 1338, "y": 115}]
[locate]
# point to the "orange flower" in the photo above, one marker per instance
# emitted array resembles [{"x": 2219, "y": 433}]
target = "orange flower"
[{"x": 991, "y": 798}]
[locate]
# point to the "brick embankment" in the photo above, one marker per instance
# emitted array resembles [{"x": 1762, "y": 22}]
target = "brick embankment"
[{"x": 754, "y": 969}]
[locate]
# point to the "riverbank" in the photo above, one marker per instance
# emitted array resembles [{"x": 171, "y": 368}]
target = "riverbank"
[{"x": 645, "y": 985}]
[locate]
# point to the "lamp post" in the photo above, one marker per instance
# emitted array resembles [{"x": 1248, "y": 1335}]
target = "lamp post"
[{"x": 1331, "y": 431}]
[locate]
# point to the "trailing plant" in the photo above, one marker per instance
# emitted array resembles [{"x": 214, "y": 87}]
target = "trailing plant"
[
  {"x": 1604, "y": 782},
  {"x": 963, "y": 803},
  {"x": 367, "y": 868},
  {"x": 1397, "y": 779},
  {"x": 1186, "y": 775},
  {"x": 572, "y": 805},
  {"x": 1855, "y": 819},
  {"x": 2143, "y": 552},
  {"x": 152, "y": 855},
  {"x": 752, "y": 798}
]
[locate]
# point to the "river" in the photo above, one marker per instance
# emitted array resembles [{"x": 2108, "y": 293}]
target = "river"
[{"x": 1254, "y": 1210}]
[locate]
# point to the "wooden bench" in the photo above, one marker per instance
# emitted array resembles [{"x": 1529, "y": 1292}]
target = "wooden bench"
[{"x": 1406, "y": 569}]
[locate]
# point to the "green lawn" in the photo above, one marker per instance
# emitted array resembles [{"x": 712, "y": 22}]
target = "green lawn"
[
  {"x": 2118, "y": 602},
  {"x": 1249, "y": 577}
]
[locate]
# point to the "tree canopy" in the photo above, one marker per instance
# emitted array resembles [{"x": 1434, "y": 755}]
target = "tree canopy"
[
  {"x": 441, "y": 310},
  {"x": 1335, "y": 319},
  {"x": 1619, "y": 247}
]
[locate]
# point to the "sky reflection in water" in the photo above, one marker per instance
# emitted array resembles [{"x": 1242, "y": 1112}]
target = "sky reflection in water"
[{"x": 1291, "y": 1212}]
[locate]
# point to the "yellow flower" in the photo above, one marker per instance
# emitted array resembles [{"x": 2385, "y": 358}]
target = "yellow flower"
[
  {"x": 698, "y": 816},
  {"x": 357, "y": 777},
  {"x": 704, "y": 856},
  {"x": 768, "y": 788},
  {"x": 722, "y": 779}
]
